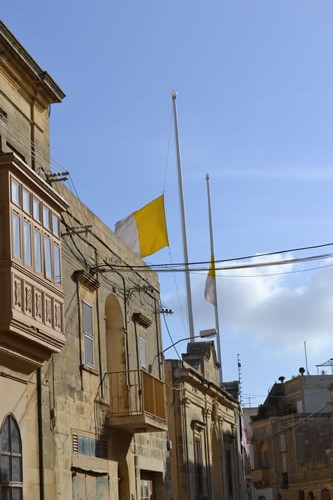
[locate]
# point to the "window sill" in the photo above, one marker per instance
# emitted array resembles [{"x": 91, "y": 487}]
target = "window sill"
[{"x": 88, "y": 368}]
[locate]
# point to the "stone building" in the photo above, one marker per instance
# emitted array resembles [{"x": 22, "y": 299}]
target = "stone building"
[
  {"x": 80, "y": 414},
  {"x": 292, "y": 440},
  {"x": 248, "y": 413},
  {"x": 203, "y": 419}
]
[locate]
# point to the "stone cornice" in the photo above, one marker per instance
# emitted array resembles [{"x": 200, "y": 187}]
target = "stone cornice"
[
  {"x": 195, "y": 379},
  {"x": 10, "y": 48}
]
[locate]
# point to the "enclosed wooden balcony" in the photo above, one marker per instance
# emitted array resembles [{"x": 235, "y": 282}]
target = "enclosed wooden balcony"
[
  {"x": 137, "y": 402},
  {"x": 31, "y": 293},
  {"x": 261, "y": 477}
]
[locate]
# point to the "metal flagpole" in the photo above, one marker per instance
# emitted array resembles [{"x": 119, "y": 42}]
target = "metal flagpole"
[
  {"x": 182, "y": 210},
  {"x": 217, "y": 325}
]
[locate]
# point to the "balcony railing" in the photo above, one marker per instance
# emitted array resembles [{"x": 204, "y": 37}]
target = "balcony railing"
[{"x": 137, "y": 401}]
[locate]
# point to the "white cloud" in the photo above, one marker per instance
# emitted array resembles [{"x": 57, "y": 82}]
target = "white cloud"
[{"x": 281, "y": 310}]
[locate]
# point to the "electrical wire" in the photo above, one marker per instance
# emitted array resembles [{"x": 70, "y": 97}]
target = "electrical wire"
[
  {"x": 224, "y": 268},
  {"x": 218, "y": 276},
  {"x": 39, "y": 155},
  {"x": 170, "y": 336}
]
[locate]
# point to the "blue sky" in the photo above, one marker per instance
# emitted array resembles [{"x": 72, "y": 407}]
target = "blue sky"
[{"x": 255, "y": 108}]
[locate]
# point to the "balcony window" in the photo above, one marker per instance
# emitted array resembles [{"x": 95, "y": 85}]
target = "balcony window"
[
  {"x": 38, "y": 250},
  {"x": 36, "y": 212},
  {"x": 32, "y": 238},
  {"x": 56, "y": 263},
  {"x": 55, "y": 225},
  {"x": 46, "y": 217},
  {"x": 47, "y": 257},
  {"x": 15, "y": 192},
  {"x": 27, "y": 243},
  {"x": 26, "y": 198},
  {"x": 16, "y": 241}
]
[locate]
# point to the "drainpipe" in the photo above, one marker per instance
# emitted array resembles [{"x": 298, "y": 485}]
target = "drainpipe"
[
  {"x": 99, "y": 336},
  {"x": 223, "y": 462},
  {"x": 32, "y": 136},
  {"x": 208, "y": 464},
  {"x": 158, "y": 346},
  {"x": 79, "y": 330},
  {"x": 40, "y": 434},
  {"x": 184, "y": 419},
  {"x": 125, "y": 325}
]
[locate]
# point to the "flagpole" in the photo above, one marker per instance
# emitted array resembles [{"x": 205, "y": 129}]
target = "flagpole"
[
  {"x": 182, "y": 211},
  {"x": 217, "y": 324}
]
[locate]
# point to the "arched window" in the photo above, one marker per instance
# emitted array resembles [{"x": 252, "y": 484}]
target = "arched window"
[
  {"x": 11, "y": 475},
  {"x": 325, "y": 494}
]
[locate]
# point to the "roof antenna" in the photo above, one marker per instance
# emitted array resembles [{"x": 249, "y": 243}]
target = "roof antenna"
[
  {"x": 239, "y": 364},
  {"x": 306, "y": 359}
]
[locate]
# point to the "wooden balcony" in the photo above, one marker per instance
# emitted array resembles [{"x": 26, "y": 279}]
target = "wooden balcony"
[
  {"x": 31, "y": 301},
  {"x": 137, "y": 402},
  {"x": 261, "y": 477}
]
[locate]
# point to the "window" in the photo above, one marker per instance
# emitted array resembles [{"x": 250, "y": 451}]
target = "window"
[
  {"x": 46, "y": 217},
  {"x": 142, "y": 347},
  {"x": 26, "y": 201},
  {"x": 284, "y": 480},
  {"x": 16, "y": 241},
  {"x": 38, "y": 250},
  {"x": 27, "y": 243},
  {"x": 88, "y": 334},
  {"x": 263, "y": 454},
  {"x": 36, "y": 209},
  {"x": 146, "y": 485},
  {"x": 47, "y": 254},
  {"x": 198, "y": 463},
  {"x": 55, "y": 225},
  {"x": 10, "y": 460},
  {"x": 283, "y": 446},
  {"x": 89, "y": 446},
  {"x": 228, "y": 465},
  {"x": 33, "y": 241},
  {"x": 56, "y": 263},
  {"x": 15, "y": 192}
]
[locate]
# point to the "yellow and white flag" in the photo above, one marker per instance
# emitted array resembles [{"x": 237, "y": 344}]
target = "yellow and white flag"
[
  {"x": 145, "y": 231},
  {"x": 210, "y": 290}
]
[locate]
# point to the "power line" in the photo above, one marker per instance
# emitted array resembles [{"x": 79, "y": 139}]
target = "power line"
[
  {"x": 168, "y": 268},
  {"x": 235, "y": 259}
]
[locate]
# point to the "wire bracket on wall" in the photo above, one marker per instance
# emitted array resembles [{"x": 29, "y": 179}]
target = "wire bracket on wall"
[
  {"x": 56, "y": 177},
  {"x": 77, "y": 230}
]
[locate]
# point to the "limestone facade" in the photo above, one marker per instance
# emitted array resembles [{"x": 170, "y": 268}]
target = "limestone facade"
[
  {"x": 81, "y": 414},
  {"x": 203, "y": 418},
  {"x": 292, "y": 441}
]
